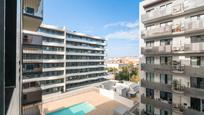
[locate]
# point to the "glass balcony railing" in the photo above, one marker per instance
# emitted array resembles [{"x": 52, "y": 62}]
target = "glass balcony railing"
[
  {"x": 177, "y": 8},
  {"x": 33, "y": 8},
  {"x": 194, "y": 25},
  {"x": 157, "y": 31},
  {"x": 158, "y": 13}
]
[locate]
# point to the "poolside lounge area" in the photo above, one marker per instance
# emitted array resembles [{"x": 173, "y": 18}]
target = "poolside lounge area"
[{"x": 103, "y": 105}]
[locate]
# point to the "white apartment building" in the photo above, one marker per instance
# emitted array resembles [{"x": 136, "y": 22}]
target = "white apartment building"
[
  {"x": 56, "y": 60},
  {"x": 172, "y": 57}
]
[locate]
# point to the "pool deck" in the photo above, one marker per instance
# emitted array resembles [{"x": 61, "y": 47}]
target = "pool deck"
[{"x": 103, "y": 105}]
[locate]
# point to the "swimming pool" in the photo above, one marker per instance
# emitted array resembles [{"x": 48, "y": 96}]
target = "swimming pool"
[{"x": 77, "y": 109}]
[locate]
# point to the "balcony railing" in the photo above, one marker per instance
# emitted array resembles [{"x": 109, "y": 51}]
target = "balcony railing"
[
  {"x": 194, "y": 48},
  {"x": 157, "y": 68},
  {"x": 154, "y": 85},
  {"x": 157, "y": 31},
  {"x": 194, "y": 25},
  {"x": 33, "y": 95},
  {"x": 190, "y": 5},
  {"x": 194, "y": 92},
  {"x": 187, "y": 48},
  {"x": 158, "y": 13},
  {"x": 194, "y": 71},
  {"x": 157, "y": 50},
  {"x": 190, "y": 111},
  {"x": 177, "y": 8},
  {"x": 158, "y": 103},
  {"x": 184, "y": 69}
]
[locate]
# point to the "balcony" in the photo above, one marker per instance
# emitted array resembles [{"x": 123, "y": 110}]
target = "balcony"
[
  {"x": 154, "y": 85},
  {"x": 192, "y": 26},
  {"x": 84, "y": 79},
  {"x": 177, "y": 87},
  {"x": 156, "y": 103},
  {"x": 163, "y": 31},
  {"x": 48, "y": 86},
  {"x": 178, "y": 108},
  {"x": 32, "y": 14},
  {"x": 32, "y": 51},
  {"x": 147, "y": 3},
  {"x": 32, "y": 95},
  {"x": 194, "y": 5},
  {"x": 194, "y": 48},
  {"x": 194, "y": 71},
  {"x": 188, "y": 6},
  {"x": 85, "y": 41},
  {"x": 156, "y": 68},
  {"x": 192, "y": 112},
  {"x": 85, "y": 60},
  {"x": 53, "y": 44},
  {"x": 36, "y": 69},
  {"x": 85, "y": 73},
  {"x": 194, "y": 92},
  {"x": 157, "y": 14},
  {"x": 84, "y": 47},
  {"x": 85, "y": 54},
  {"x": 83, "y": 67},
  {"x": 157, "y": 50}
]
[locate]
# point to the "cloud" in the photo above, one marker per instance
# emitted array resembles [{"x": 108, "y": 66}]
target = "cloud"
[
  {"x": 131, "y": 34},
  {"x": 125, "y": 24}
]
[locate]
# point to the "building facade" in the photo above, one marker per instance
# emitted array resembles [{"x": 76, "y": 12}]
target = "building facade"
[
  {"x": 172, "y": 58},
  {"x": 57, "y": 60}
]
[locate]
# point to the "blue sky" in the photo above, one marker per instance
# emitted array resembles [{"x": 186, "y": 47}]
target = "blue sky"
[{"x": 116, "y": 20}]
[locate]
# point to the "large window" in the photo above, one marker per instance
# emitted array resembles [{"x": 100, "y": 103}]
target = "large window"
[
  {"x": 166, "y": 96},
  {"x": 165, "y": 112},
  {"x": 197, "y": 82},
  {"x": 165, "y": 79},
  {"x": 165, "y": 42},
  {"x": 197, "y": 60},
  {"x": 150, "y": 77},
  {"x": 165, "y": 60},
  {"x": 149, "y": 43},
  {"x": 150, "y": 109},
  {"x": 150, "y": 93},
  {"x": 149, "y": 60}
]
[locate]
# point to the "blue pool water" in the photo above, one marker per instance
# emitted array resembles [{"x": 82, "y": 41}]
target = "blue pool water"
[{"x": 78, "y": 109}]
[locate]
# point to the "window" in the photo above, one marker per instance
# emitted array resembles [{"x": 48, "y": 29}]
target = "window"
[
  {"x": 149, "y": 60},
  {"x": 197, "y": 82},
  {"x": 195, "y": 103},
  {"x": 166, "y": 96},
  {"x": 197, "y": 39},
  {"x": 165, "y": 60},
  {"x": 165, "y": 42},
  {"x": 165, "y": 112},
  {"x": 150, "y": 109},
  {"x": 150, "y": 77},
  {"x": 150, "y": 93},
  {"x": 166, "y": 79},
  {"x": 197, "y": 60},
  {"x": 149, "y": 43}
]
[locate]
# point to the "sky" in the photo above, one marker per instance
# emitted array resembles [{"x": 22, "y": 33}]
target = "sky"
[{"x": 115, "y": 20}]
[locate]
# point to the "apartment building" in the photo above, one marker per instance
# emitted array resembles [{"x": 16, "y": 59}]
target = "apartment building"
[
  {"x": 172, "y": 58},
  {"x": 32, "y": 18},
  {"x": 57, "y": 60}
]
